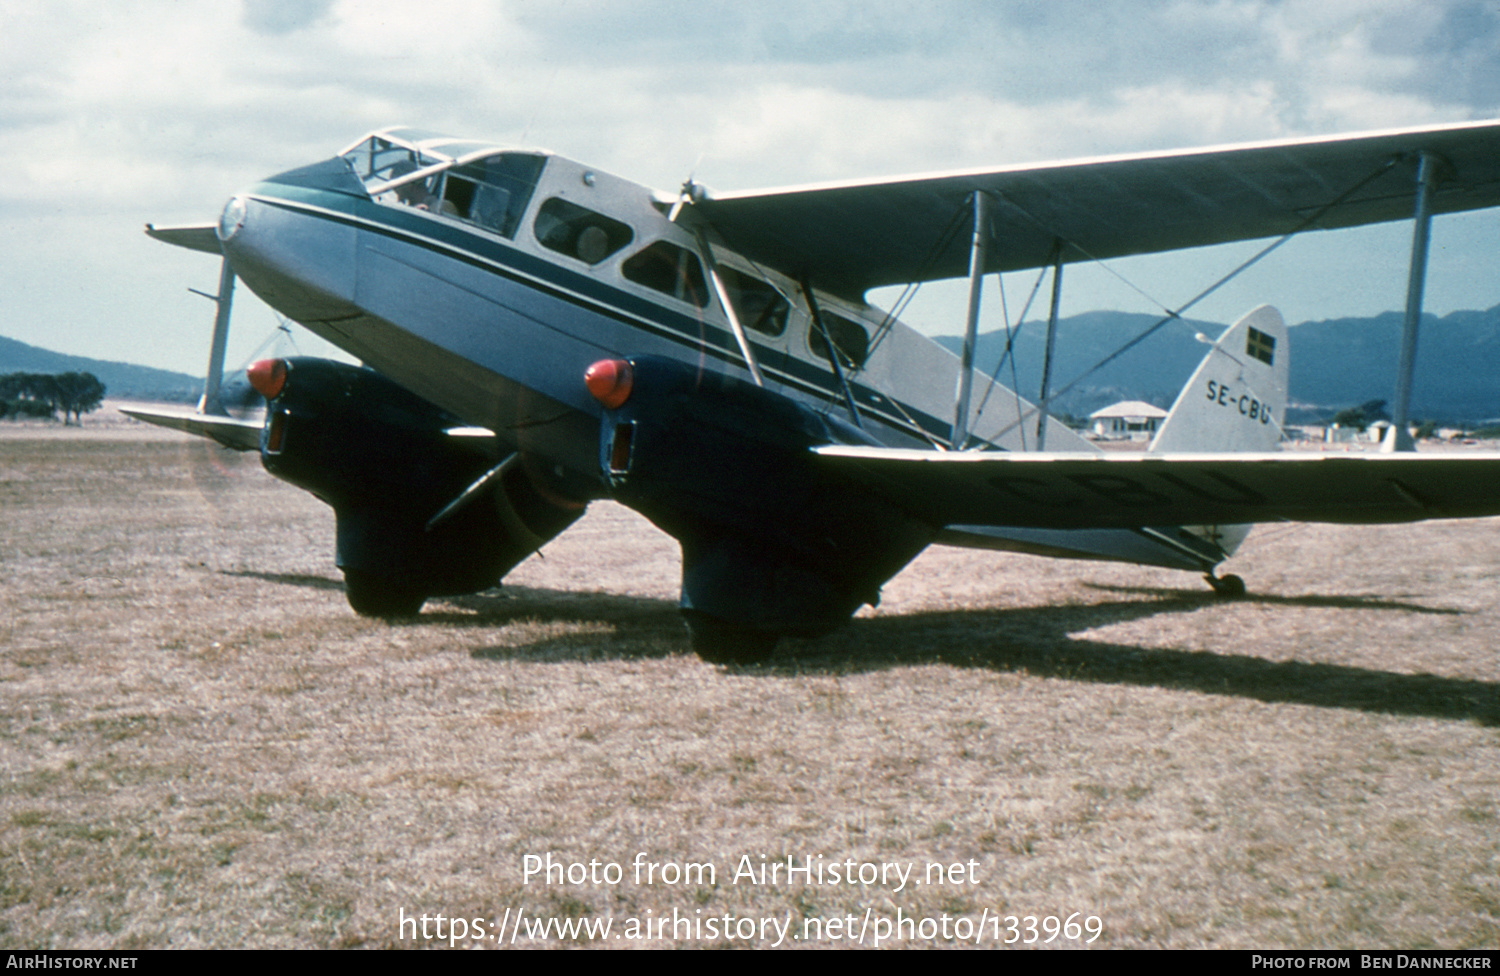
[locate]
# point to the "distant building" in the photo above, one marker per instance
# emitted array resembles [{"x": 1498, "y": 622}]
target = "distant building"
[
  {"x": 1378, "y": 431},
  {"x": 1131, "y": 420},
  {"x": 1374, "y": 433}
]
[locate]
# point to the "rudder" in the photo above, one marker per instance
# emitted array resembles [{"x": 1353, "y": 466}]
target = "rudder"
[
  {"x": 1236, "y": 399},
  {"x": 1235, "y": 402}
]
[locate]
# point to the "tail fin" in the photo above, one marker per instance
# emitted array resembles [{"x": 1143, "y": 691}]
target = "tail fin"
[{"x": 1235, "y": 401}]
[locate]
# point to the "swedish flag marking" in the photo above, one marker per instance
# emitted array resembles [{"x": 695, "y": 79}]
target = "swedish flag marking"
[{"x": 1261, "y": 346}]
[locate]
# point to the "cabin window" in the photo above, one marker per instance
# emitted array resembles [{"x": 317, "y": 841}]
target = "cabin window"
[
  {"x": 670, "y": 269},
  {"x": 760, "y": 307},
  {"x": 850, "y": 338},
  {"x": 579, "y": 232}
]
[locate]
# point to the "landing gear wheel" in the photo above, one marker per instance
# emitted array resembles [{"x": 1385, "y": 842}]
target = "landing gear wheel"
[
  {"x": 718, "y": 641},
  {"x": 1230, "y": 587},
  {"x": 378, "y": 596}
]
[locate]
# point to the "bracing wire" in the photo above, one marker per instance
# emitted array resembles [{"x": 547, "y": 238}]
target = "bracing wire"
[
  {"x": 1010, "y": 344},
  {"x": 910, "y": 291},
  {"x": 1176, "y": 314}
]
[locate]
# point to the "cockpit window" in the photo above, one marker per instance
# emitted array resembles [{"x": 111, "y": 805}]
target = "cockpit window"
[
  {"x": 579, "y": 232},
  {"x": 492, "y": 191},
  {"x": 378, "y": 161}
]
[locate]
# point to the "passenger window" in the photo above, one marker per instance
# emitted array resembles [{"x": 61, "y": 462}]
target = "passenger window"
[
  {"x": 579, "y": 232},
  {"x": 850, "y": 338},
  {"x": 670, "y": 269},
  {"x": 759, "y": 306}
]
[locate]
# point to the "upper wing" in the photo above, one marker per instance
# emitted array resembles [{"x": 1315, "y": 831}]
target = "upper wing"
[
  {"x": 849, "y": 237},
  {"x": 1068, "y": 491}
]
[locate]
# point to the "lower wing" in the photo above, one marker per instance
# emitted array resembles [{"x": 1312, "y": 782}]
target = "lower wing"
[
  {"x": 1069, "y": 491},
  {"x": 242, "y": 435}
]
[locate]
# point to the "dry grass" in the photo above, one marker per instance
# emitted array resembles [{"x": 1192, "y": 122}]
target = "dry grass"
[{"x": 201, "y": 746}]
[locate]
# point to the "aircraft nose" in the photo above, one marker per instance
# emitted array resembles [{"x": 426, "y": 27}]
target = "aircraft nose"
[
  {"x": 232, "y": 219},
  {"x": 300, "y": 261}
]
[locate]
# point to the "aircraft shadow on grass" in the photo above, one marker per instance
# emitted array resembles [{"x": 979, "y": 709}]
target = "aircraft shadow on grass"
[
  {"x": 287, "y": 579},
  {"x": 1340, "y": 602},
  {"x": 1038, "y": 641}
]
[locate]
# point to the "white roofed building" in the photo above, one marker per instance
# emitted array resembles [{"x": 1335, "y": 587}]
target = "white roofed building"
[{"x": 1133, "y": 420}]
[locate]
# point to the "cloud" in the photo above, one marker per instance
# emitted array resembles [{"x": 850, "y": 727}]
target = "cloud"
[
  {"x": 121, "y": 113},
  {"x": 277, "y": 17},
  {"x": 1452, "y": 51}
]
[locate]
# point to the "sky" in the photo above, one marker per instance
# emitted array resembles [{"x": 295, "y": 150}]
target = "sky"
[{"x": 115, "y": 115}]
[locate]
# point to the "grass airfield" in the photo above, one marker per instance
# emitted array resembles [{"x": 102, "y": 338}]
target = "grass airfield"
[{"x": 202, "y": 746}]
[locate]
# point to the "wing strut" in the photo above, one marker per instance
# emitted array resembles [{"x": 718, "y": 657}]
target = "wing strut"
[
  {"x": 1312, "y": 220},
  {"x": 210, "y": 402},
  {"x": 1041, "y": 415},
  {"x": 978, "y": 256},
  {"x": 729, "y": 312},
  {"x": 1415, "y": 284},
  {"x": 834, "y": 352}
]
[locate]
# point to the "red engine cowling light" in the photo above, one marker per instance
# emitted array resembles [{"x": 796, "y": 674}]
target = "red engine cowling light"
[
  {"x": 610, "y": 381},
  {"x": 268, "y": 376}
]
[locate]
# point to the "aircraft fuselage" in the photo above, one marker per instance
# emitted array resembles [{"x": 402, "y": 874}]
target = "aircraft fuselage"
[
  {"x": 496, "y": 321},
  {"x": 487, "y": 281}
]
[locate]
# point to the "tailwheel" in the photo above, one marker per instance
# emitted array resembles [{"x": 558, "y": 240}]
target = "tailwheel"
[
  {"x": 718, "y": 641},
  {"x": 1229, "y": 586},
  {"x": 380, "y": 596}
]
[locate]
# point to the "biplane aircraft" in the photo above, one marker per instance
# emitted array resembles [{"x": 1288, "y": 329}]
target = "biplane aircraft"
[{"x": 537, "y": 334}]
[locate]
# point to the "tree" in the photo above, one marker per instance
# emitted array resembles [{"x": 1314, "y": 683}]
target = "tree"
[
  {"x": 28, "y": 394},
  {"x": 42, "y": 395},
  {"x": 78, "y": 394},
  {"x": 1362, "y": 416}
]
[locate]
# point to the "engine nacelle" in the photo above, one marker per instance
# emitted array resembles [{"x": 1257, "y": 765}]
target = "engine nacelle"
[
  {"x": 772, "y": 543},
  {"x": 384, "y": 460}
]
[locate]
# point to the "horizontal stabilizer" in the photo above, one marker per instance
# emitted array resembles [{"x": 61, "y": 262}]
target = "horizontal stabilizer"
[
  {"x": 1131, "y": 490},
  {"x": 242, "y": 435},
  {"x": 197, "y": 237}
]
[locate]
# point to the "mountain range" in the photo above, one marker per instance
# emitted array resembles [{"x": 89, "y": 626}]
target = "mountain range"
[
  {"x": 1336, "y": 364},
  {"x": 119, "y": 379}
]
